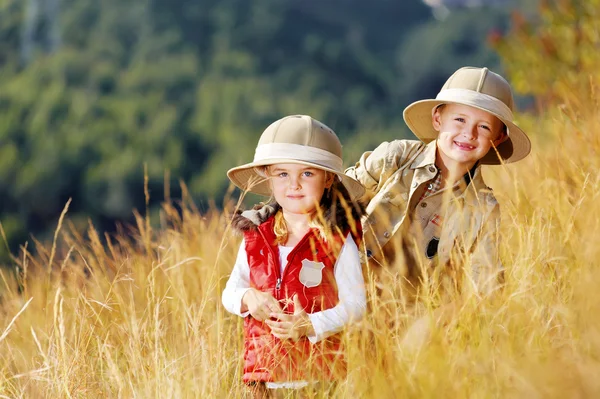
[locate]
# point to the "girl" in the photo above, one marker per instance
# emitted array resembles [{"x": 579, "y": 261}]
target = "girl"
[{"x": 297, "y": 279}]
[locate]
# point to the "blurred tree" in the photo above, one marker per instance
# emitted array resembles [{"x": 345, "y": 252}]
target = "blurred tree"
[
  {"x": 332, "y": 60},
  {"x": 83, "y": 121},
  {"x": 554, "y": 57},
  {"x": 92, "y": 91},
  {"x": 438, "y": 48}
]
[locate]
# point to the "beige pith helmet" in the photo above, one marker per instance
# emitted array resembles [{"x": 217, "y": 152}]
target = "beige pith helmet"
[
  {"x": 297, "y": 139},
  {"x": 479, "y": 88}
]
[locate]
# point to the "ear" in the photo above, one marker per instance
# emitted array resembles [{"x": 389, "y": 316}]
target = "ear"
[
  {"x": 436, "y": 118},
  {"x": 501, "y": 139},
  {"x": 329, "y": 179}
]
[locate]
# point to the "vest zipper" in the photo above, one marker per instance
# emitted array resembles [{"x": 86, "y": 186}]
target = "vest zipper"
[
  {"x": 281, "y": 275},
  {"x": 274, "y": 254}
]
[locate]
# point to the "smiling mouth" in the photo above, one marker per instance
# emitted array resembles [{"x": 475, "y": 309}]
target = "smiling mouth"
[
  {"x": 295, "y": 196},
  {"x": 464, "y": 146}
]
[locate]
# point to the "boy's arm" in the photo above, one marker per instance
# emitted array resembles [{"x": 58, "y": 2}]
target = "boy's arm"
[{"x": 374, "y": 167}]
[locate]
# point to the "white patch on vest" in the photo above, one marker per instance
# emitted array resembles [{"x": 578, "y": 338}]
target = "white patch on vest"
[{"x": 311, "y": 273}]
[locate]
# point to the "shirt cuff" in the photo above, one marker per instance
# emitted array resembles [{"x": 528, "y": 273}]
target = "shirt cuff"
[
  {"x": 237, "y": 300},
  {"x": 318, "y": 335}
]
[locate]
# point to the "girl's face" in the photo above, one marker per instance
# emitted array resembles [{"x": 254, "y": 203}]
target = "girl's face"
[{"x": 298, "y": 188}]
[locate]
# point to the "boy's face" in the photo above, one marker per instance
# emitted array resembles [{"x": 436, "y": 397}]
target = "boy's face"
[{"x": 466, "y": 134}]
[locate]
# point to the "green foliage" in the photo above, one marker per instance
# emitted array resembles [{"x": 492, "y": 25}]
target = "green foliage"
[
  {"x": 82, "y": 122},
  {"x": 94, "y": 90},
  {"x": 555, "y": 57},
  {"x": 439, "y": 48}
]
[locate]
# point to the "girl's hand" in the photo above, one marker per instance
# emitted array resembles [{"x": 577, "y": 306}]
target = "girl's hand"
[
  {"x": 291, "y": 326},
  {"x": 259, "y": 304}
]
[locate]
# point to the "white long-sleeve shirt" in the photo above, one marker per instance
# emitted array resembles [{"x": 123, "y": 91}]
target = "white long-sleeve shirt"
[{"x": 348, "y": 277}]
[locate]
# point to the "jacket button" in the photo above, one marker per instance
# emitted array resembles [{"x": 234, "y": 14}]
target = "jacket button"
[
  {"x": 414, "y": 184},
  {"x": 369, "y": 253},
  {"x": 423, "y": 204},
  {"x": 386, "y": 234},
  {"x": 432, "y": 169}
]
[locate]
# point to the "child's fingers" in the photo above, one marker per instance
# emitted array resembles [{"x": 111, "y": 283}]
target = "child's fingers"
[
  {"x": 278, "y": 326},
  {"x": 260, "y": 315},
  {"x": 281, "y": 336},
  {"x": 263, "y": 312},
  {"x": 297, "y": 305},
  {"x": 265, "y": 304},
  {"x": 273, "y": 305},
  {"x": 273, "y": 325},
  {"x": 282, "y": 317},
  {"x": 284, "y": 330}
]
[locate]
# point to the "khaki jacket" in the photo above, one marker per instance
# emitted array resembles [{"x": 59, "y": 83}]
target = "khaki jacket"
[{"x": 394, "y": 175}]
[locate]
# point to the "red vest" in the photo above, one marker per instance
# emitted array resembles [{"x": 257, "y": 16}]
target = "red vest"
[{"x": 308, "y": 273}]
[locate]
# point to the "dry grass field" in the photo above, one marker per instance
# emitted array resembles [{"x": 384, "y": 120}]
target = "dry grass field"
[{"x": 142, "y": 317}]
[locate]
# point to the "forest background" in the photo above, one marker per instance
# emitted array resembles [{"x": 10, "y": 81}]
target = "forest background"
[{"x": 94, "y": 94}]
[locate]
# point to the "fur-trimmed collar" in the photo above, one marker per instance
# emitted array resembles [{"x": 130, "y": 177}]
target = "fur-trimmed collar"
[
  {"x": 250, "y": 219},
  {"x": 335, "y": 216}
]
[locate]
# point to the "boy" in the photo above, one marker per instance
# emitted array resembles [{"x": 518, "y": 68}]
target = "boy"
[{"x": 429, "y": 211}]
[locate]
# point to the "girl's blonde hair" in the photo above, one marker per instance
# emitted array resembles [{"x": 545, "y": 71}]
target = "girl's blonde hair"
[
  {"x": 280, "y": 228},
  {"x": 281, "y": 231}
]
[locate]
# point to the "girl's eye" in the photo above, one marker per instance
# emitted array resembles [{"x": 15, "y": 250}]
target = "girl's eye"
[
  {"x": 308, "y": 174},
  {"x": 484, "y": 127},
  {"x": 459, "y": 119},
  {"x": 282, "y": 174}
]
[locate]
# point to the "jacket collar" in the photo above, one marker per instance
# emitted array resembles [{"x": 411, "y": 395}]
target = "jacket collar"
[
  {"x": 477, "y": 178},
  {"x": 426, "y": 157}
]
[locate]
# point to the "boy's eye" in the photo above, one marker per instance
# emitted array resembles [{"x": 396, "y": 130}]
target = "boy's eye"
[
  {"x": 282, "y": 174},
  {"x": 307, "y": 173},
  {"x": 459, "y": 119},
  {"x": 484, "y": 127}
]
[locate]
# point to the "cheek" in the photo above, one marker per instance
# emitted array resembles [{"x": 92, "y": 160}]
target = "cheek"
[
  {"x": 317, "y": 190},
  {"x": 485, "y": 142},
  {"x": 446, "y": 137},
  {"x": 277, "y": 188}
]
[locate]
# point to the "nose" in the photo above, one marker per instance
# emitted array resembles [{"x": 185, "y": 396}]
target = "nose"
[
  {"x": 470, "y": 132},
  {"x": 294, "y": 183}
]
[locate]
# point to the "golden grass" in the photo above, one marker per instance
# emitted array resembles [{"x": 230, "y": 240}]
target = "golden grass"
[{"x": 140, "y": 314}]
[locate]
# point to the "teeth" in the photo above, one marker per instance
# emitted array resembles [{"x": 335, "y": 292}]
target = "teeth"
[{"x": 470, "y": 147}]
